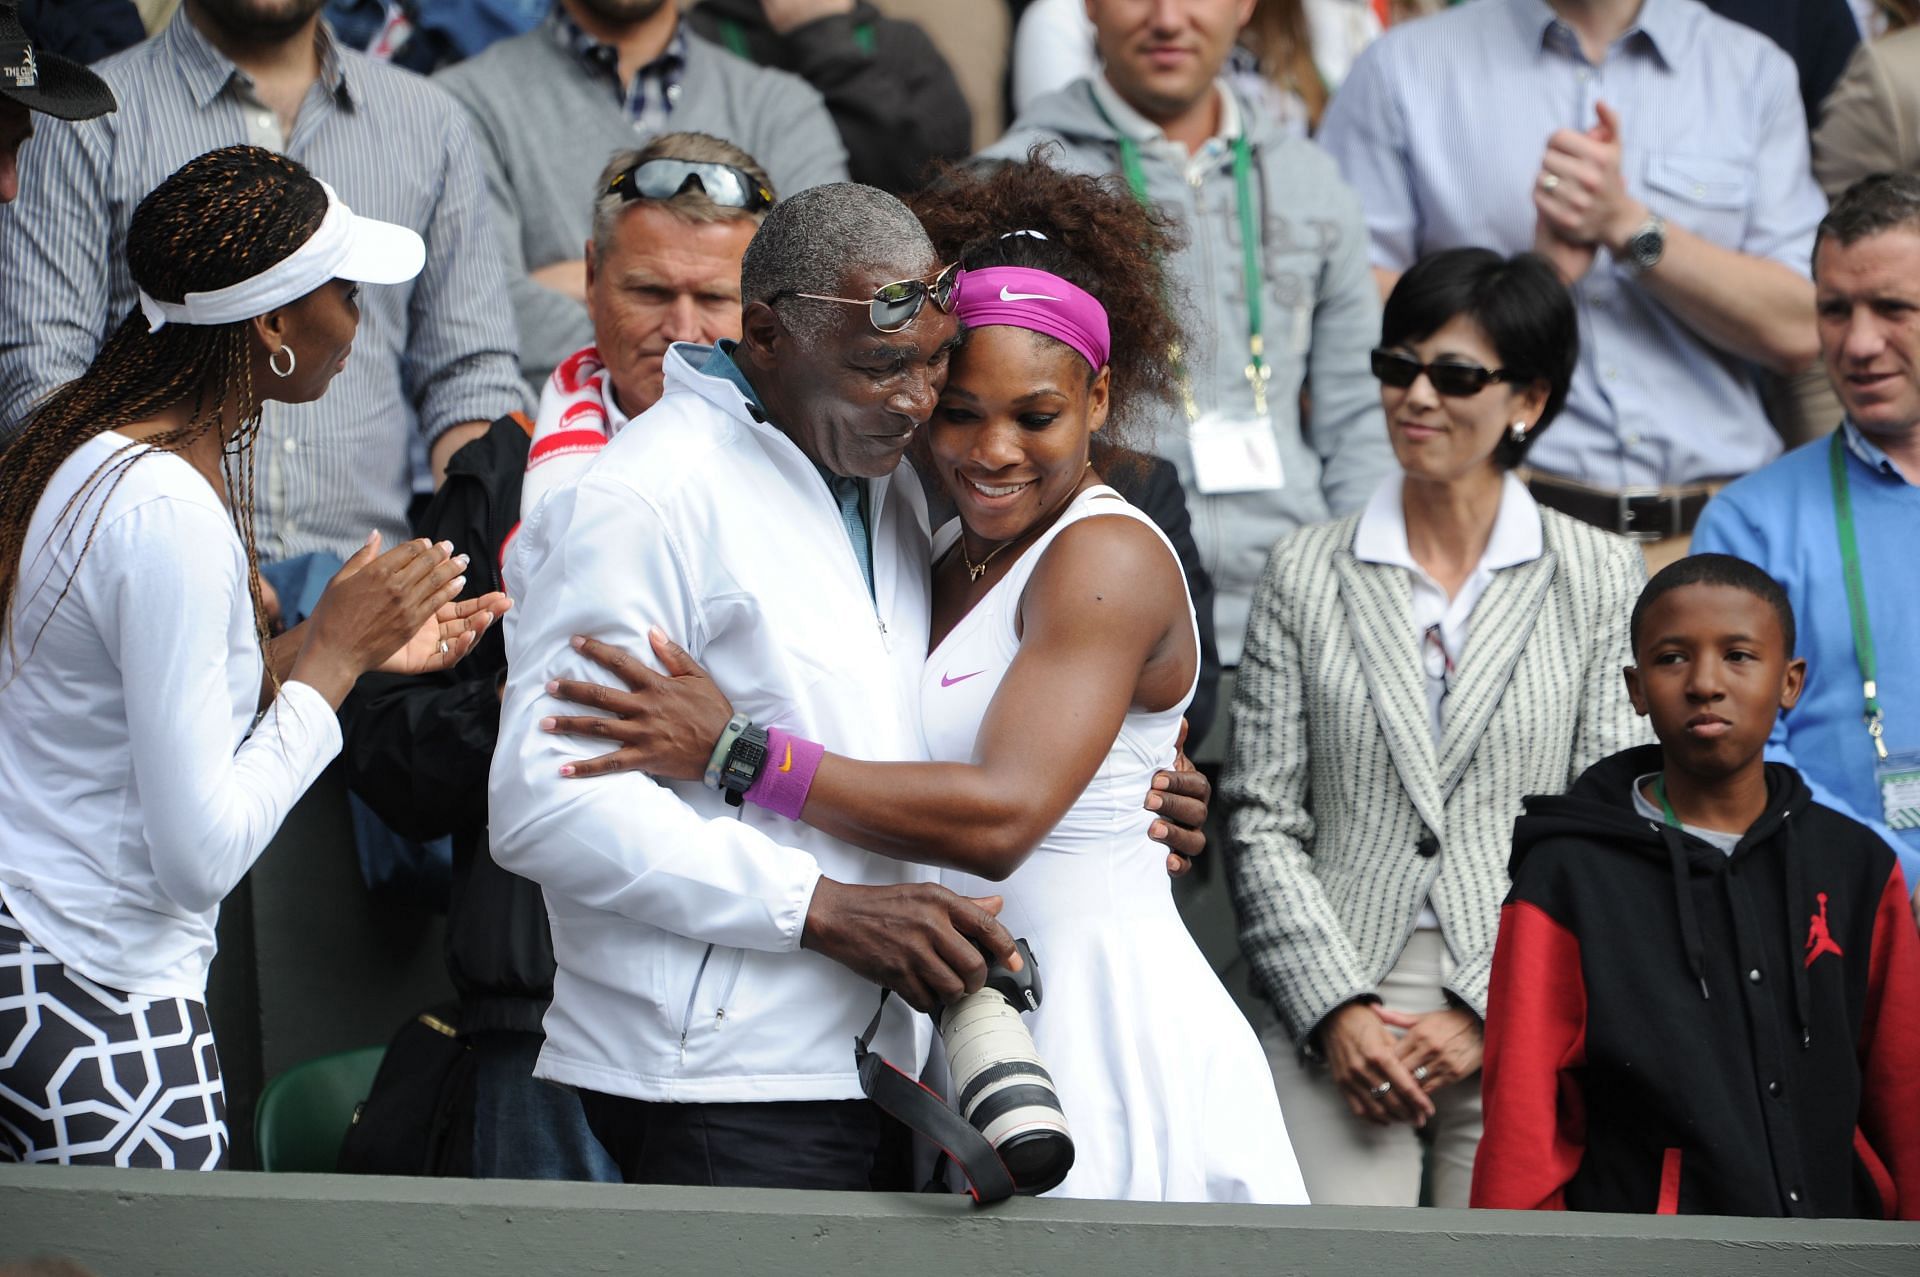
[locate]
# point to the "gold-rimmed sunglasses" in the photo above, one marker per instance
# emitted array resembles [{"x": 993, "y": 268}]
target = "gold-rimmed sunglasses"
[{"x": 894, "y": 306}]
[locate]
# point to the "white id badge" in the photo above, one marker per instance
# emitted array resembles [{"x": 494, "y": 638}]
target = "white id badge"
[
  {"x": 1898, "y": 776},
  {"x": 1235, "y": 454}
]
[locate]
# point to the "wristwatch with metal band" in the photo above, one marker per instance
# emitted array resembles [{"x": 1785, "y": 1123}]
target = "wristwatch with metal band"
[
  {"x": 1646, "y": 246},
  {"x": 744, "y": 762}
]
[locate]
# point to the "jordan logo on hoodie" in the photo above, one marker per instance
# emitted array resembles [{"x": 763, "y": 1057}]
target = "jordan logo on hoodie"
[{"x": 1819, "y": 939}]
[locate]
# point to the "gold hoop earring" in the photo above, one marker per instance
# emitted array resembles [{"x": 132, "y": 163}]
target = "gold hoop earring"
[{"x": 273, "y": 361}]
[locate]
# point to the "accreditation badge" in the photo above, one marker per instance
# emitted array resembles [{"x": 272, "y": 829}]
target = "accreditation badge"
[
  {"x": 1235, "y": 454},
  {"x": 1898, "y": 776}
]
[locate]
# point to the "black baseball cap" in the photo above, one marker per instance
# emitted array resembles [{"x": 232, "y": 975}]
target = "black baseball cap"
[{"x": 46, "y": 82}]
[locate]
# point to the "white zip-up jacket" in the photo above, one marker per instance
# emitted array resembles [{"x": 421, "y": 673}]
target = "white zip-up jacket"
[{"x": 676, "y": 918}]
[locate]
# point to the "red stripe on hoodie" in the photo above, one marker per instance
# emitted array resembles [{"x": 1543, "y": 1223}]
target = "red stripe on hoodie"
[
  {"x": 1890, "y": 1049},
  {"x": 1536, "y": 1128}
]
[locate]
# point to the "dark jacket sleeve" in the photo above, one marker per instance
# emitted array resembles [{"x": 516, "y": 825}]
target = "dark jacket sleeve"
[
  {"x": 1158, "y": 494},
  {"x": 417, "y": 749},
  {"x": 893, "y": 97}
]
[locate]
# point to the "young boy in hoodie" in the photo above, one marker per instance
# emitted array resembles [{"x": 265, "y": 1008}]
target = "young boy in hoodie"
[{"x": 1705, "y": 996}]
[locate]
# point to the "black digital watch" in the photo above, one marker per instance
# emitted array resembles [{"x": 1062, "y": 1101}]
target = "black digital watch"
[{"x": 745, "y": 759}]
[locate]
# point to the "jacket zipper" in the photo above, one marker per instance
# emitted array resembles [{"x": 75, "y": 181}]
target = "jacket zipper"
[{"x": 686, "y": 1021}]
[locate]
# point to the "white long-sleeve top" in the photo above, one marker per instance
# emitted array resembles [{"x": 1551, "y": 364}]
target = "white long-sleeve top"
[
  {"x": 676, "y": 918},
  {"x": 135, "y": 797}
]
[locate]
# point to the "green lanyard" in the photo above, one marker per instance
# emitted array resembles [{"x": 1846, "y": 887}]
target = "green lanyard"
[
  {"x": 1856, "y": 591},
  {"x": 734, "y": 36},
  {"x": 1666, "y": 808},
  {"x": 1258, "y": 373}
]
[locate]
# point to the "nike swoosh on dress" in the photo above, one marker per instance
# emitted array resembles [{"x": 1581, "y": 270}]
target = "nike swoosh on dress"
[{"x": 949, "y": 682}]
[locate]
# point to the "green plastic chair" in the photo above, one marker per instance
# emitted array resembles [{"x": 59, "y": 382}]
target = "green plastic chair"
[{"x": 303, "y": 1114}]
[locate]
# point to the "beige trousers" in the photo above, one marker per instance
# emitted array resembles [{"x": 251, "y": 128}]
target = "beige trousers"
[{"x": 1348, "y": 1161}]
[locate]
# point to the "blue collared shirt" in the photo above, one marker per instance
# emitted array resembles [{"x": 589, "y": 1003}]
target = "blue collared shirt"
[
  {"x": 852, "y": 497},
  {"x": 429, "y": 355},
  {"x": 1441, "y": 128},
  {"x": 650, "y": 99},
  {"x": 1782, "y": 519}
]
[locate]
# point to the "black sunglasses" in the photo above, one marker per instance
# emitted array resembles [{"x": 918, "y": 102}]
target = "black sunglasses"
[
  {"x": 724, "y": 184},
  {"x": 893, "y": 306},
  {"x": 1456, "y": 380}
]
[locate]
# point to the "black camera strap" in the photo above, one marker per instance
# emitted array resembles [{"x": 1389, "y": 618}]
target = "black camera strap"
[{"x": 908, "y": 1100}]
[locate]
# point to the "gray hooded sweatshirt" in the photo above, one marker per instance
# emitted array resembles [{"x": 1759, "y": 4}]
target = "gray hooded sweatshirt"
[{"x": 1321, "y": 318}]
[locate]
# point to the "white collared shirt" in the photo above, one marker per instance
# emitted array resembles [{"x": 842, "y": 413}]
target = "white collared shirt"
[
  {"x": 1212, "y": 153},
  {"x": 1382, "y": 538}
]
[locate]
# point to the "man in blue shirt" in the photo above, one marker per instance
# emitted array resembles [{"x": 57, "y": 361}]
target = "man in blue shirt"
[
  {"x": 1788, "y": 519},
  {"x": 1657, "y": 154}
]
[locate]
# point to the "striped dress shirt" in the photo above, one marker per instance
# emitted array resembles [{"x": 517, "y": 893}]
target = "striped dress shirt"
[
  {"x": 1441, "y": 128},
  {"x": 429, "y": 355}
]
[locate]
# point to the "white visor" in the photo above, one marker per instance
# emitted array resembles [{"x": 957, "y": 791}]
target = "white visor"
[{"x": 344, "y": 246}]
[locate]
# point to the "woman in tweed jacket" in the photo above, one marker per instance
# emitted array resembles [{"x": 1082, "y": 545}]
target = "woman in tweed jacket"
[{"x": 1410, "y": 673}]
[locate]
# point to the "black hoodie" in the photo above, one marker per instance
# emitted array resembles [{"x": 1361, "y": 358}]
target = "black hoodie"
[{"x": 1675, "y": 1029}]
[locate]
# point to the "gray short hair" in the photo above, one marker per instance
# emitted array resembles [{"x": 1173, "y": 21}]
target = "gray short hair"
[
  {"x": 1871, "y": 206},
  {"x": 689, "y": 205},
  {"x": 811, "y": 241}
]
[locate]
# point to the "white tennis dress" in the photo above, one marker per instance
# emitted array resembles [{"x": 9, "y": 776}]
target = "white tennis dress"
[{"x": 1164, "y": 1084}]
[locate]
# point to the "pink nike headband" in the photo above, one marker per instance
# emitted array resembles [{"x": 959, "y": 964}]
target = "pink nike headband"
[{"x": 1037, "y": 300}]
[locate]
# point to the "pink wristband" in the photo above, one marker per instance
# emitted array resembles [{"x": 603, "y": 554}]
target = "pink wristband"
[{"x": 788, "y": 775}]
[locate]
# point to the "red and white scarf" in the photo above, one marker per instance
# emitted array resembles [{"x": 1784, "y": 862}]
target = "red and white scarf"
[{"x": 578, "y": 414}]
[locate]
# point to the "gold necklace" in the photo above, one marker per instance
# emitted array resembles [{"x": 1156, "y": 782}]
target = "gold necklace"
[{"x": 977, "y": 570}]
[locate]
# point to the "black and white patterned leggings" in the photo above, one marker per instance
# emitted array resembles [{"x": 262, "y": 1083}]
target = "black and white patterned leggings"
[{"x": 91, "y": 1076}]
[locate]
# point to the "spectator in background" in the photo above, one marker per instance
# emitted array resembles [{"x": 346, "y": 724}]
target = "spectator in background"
[
  {"x": 596, "y": 77},
  {"x": 661, "y": 268},
  {"x": 82, "y": 30},
  {"x": 1872, "y": 121},
  {"x": 1411, "y": 672},
  {"x": 1884, "y": 17},
  {"x": 1274, "y": 269},
  {"x": 1291, "y": 56},
  {"x": 425, "y": 35},
  {"x": 1819, "y": 35},
  {"x": 34, "y": 81},
  {"x": 892, "y": 95},
  {"x": 1698, "y": 192},
  {"x": 434, "y": 357},
  {"x": 1788, "y": 518}
]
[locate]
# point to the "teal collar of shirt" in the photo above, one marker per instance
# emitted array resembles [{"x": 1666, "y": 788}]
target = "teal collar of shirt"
[
  {"x": 1871, "y": 455},
  {"x": 719, "y": 363},
  {"x": 207, "y": 71},
  {"x": 1664, "y": 23}
]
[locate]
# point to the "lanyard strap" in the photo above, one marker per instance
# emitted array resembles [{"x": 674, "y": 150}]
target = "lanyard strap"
[
  {"x": 734, "y": 36},
  {"x": 1666, "y": 808},
  {"x": 1258, "y": 373},
  {"x": 1856, "y": 591}
]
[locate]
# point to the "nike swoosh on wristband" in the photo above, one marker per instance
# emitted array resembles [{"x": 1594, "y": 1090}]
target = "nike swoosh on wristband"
[
  {"x": 1006, "y": 296},
  {"x": 949, "y": 682},
  {"x": 786, "y": 764}
]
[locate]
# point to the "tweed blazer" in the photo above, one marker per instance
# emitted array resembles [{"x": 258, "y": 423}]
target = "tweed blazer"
[{"x": 1344, "y": 817}]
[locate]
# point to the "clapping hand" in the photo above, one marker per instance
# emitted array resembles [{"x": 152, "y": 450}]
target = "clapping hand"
[{"x": 1580, "y": 196}]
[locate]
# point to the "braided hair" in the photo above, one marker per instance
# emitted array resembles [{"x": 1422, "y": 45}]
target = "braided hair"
[
  {"x": 221, "y": 218},
  {"x": 1097, "y": 238}
]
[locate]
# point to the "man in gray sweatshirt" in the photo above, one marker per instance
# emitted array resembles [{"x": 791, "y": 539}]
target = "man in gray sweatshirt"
[
  {"x": 1282, "y": 424},
  {"x": 596, "y": 77}
]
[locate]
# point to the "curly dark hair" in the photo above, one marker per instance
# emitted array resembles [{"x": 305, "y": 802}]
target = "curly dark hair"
[
  {"x": 218, "y": 219},
  {"x": 1098, "y": 238}
]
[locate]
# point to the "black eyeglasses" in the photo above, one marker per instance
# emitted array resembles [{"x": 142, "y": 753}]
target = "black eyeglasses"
[
  {"x": 893, "y": 306},
  {"x": 724, "y": 184},
  {"x": 1457, "y": 380}
]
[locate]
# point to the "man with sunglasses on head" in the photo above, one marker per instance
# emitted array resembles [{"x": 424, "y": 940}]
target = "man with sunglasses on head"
[
  {"x": 669, "y": 226},
  {"x": 594, "y": 77},
  {"x": 716, "y": 962}
]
